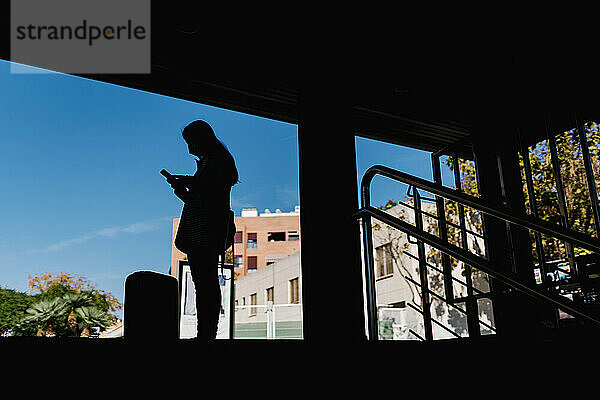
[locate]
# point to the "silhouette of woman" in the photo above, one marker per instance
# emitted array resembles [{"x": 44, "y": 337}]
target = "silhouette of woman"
[{"x": 206, "y": 225}]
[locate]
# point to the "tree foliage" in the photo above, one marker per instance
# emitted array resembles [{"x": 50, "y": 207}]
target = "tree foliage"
[
  {"x": 47, "y": 284},
  {"x": 572, "y": 174},
  {"x": 13, "y": 307},
  {"x": 545, "y": 192},
  {"x": 64, "y": 306}
]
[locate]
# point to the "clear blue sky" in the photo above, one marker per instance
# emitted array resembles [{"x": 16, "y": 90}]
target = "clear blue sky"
[{"x": 82, "y": 191}]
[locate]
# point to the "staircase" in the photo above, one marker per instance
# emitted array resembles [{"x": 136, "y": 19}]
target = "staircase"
[{"x": 555, "y": 308}]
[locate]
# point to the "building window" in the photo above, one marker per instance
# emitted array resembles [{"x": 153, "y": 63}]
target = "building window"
[
  {"x": 252, "y": 303},
  {"x": 269, "y": 295},
  {"x": 384, "y": 261},
  {"x": 239, "y": 261},
  {"x": 252, "y": 263},
  {"x": 276, "y": 236},
  {"x": 295, "y": 235},
  {"x": 252, "y": 240},
  {"x": 294, "y": 291},
  {"x": 237, "y": 238}
]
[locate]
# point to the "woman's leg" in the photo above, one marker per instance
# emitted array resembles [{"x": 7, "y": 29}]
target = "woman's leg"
[{"x": 203, "y": 266}]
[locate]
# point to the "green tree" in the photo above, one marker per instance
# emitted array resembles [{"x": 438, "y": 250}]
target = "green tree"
[
  {"x": 49, "y": 285},
  {"x": 545, "y": 195},
  {"x": 13, "y": 306},
  {"x": 572, "y": 174},
  {"x": 54, "y": 311},
  {"x": 229, "y": 255}
]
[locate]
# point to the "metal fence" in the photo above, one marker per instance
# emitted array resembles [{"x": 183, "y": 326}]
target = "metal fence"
[{"x": 268, "y": 321}]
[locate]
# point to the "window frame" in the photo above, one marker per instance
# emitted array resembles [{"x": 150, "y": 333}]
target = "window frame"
[
  {"x": 384, "y": 261},
  {"x": 255, "y": 261},
  {"x": 294, "y": 290},
  {"x": 252, "y": 243},
  {"x": 252, "y": 311}
]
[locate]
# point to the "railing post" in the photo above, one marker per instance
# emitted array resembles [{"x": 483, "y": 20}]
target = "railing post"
[
  {"x": 560, "y": 192},
  {"x": 270, "y": 320},
  {"x": 425, "y": 298},
  {"x": 442, "y": 229},
  {"x": 589, "y": 173},
  {"x": 371, "y": 297},
  {"x": 369, "y": 261},
  {"x": 471, "y": 302},
  {"x": 533, "y": 206}
]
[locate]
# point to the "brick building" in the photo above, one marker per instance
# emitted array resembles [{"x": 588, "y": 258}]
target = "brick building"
[{"x": 261, "y": 239}]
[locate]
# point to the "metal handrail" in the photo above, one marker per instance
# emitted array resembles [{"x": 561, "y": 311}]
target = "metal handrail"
[
  {"x": 536, "y": 224},
  {"x": 459, "y": 253},
  {"x": 480, "y": 263}
]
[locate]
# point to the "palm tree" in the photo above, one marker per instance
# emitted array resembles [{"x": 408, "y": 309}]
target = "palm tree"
[
  {"x": 92, "y": 316},
  {"x": 73, "y": 302},
  {"x": 43, "y": 315}
]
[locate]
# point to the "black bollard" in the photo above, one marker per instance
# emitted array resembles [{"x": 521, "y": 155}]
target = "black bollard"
[{"x": 151, "y": 306}]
